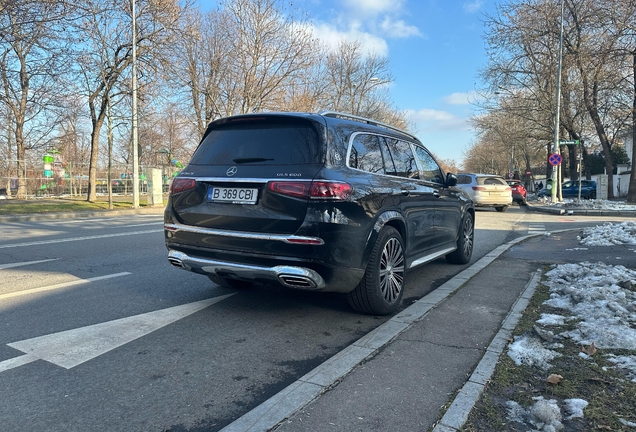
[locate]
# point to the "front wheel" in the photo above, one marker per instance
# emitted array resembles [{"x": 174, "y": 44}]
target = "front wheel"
[
  {"x": 465, "y": 242},
  {"x": 381, "y": 288},
  {"x": 592, "y": 195}
]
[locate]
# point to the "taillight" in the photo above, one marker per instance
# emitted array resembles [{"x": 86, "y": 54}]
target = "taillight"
[
  {"x": 181, "y": 185},
  {"x": 312, "y": 190},
  {"x": 331, "y": 190}
]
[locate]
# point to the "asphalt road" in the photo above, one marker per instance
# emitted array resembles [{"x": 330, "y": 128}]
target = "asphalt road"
[{"x": 100, "y": 333}]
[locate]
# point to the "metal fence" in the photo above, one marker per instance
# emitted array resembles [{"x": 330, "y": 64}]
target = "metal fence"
[{"x": 37, "y": 185}]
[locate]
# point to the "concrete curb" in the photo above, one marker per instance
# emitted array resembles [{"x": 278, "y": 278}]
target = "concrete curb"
[{"x": 580, "y": 211}]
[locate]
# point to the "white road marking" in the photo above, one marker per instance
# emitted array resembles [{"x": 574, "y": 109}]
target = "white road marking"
[
  {"x": 536, "y": 227},
  {"x": 74, "y": 347},
  {"x": 60, "y": 285},
  {"x": 17, "y": 361},
  {"x": 20, "y": 264},
  {"x": 72, "y": 239},
  {"x": 159, "y": 218}
]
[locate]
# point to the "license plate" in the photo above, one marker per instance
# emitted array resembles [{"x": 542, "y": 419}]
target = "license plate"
[{"x": 232, "y": 195}]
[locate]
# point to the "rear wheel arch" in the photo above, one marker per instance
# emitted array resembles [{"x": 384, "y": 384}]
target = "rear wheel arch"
[{"x": 389, "y": 218}]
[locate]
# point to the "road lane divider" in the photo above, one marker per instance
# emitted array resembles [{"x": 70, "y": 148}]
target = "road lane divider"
[
  {"x": 25, "y": 263},
  {"x": 60, "y": 285},
  {"x": 72, "y": 239}
]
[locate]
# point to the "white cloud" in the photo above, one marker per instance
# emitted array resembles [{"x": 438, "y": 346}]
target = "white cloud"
[
  {"x": 473, "y": 6},
  {"x": 398, "y": 29},
  {"x": 435, "y": 120},
  {"x": 465, "y": 98},
  {"x": 374, "y": 7},
  {"x": 332, "y": 37},
  {"x": 369, "y": 22}
]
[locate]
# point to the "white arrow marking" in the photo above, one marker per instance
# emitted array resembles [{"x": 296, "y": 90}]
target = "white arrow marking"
[
  {"x": 6, "y": 266},
  {"x": 73, "y": 347}
]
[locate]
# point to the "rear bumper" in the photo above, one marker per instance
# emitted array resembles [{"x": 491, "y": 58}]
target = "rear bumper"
[{"x": 290, "y": 276}]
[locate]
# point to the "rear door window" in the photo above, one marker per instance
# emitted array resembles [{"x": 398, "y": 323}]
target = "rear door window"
[
  {"x": 366, "y": 154},
  {"x": 403, "y": 159},
  {"x": 261, "y": 141}
]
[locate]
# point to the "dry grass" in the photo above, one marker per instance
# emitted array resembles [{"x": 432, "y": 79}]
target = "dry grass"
[{"x": 53, "y": 205}]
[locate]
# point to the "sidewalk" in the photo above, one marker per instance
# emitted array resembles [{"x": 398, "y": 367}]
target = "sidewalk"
[{"x": 441, "y": 350}]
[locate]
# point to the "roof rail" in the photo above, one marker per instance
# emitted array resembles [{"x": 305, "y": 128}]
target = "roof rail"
[{"x": 337, "y": 114}]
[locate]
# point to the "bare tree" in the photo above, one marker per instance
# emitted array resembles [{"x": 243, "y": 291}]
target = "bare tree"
[
  {"x": 523, "y": 37},
  {"x": 200, "y": 64},
  {"x": 107, "y": 54},
  {"x": 30, "y": 55}
]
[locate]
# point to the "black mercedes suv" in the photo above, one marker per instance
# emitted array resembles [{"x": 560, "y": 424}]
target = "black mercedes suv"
[{"x": 323, "y": 202}]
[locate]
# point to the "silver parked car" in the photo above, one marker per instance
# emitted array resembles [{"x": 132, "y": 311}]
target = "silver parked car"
[{"x": 486, "y": 190}]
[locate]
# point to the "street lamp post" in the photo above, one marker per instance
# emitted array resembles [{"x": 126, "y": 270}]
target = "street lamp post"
[
  {"x": 555, "y": 144},
  {"x": 135, "y": 191}
]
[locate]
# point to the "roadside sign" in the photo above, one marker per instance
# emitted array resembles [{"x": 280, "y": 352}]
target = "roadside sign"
[
  {"x": 528, "y": 172},
  {"x": 555, "y": 159},
  {"x": 564, "y": 142}
]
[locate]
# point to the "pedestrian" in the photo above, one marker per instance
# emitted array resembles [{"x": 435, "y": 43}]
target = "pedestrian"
[{"x": 540, "y": 185}]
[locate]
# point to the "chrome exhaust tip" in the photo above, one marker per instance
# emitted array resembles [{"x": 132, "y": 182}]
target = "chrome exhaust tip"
[
  {"x": 176, "y": 262},
  {"x": 298, "y": 282}
]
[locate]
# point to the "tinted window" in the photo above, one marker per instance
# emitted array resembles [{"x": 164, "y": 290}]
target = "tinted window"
[
  {"x": 260, "y": 141},
  {"x": 403, "y": 159},
  {"x": 430, "y": 170},
  {"x": 366, "y": 154}
]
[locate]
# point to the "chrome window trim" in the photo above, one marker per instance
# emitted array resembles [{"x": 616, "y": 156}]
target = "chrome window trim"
[{"x": 243, "y": 235}]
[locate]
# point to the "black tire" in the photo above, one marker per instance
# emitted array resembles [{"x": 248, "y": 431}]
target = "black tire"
[
  {"x": 592, "y": 195},
  {"x": 228, "y": 283},
  {"x": 465, "y": 242},
  {"x": 382, "y": 286},
  {"x": 501, "y": 208}
]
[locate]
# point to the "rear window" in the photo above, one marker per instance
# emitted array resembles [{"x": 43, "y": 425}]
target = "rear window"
[
  {"x": 491, "y": 181},
  {"x": 262, "y": 142}
]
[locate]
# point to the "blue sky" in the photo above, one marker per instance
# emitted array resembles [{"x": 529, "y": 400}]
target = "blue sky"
[{"x": 435, "y": 49}]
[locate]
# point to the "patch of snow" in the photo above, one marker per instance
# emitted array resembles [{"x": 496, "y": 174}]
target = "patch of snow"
[
  {"x": 552, "y": 320},
  {"x": 625, "y": 362},
  {"x": 575, "y": 407},
  {"x": 606, "y": 313},
  {"x": 530, "y": 351},
  {"x": 544, "y": 415},
  {"x": 609, "y": 234}
]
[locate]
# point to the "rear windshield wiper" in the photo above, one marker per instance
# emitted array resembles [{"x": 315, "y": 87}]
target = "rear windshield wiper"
[{"x": 248, "y": 160}]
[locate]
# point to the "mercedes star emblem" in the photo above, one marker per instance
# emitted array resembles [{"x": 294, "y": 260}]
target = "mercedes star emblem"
[{"x": 231, "y": 171}]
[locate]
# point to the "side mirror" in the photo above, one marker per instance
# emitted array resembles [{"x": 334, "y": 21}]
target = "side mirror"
[{"x": 451, "y": 179}]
